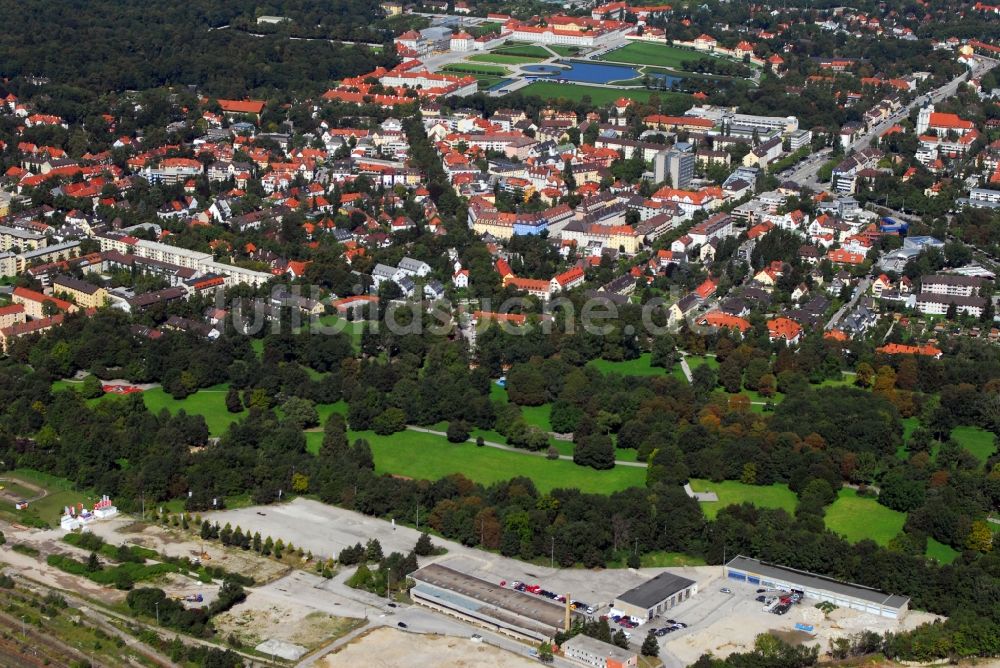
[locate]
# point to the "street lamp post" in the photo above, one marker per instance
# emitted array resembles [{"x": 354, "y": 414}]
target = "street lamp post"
[{"x": 157, "y": 605}]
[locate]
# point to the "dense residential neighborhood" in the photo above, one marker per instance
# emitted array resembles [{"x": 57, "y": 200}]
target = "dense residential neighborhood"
[{"x": 498, "y": 332}]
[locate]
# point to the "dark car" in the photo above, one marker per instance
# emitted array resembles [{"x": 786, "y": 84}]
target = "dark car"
[
  {"x": 392, "y": 605},
  {"x": 760, "y": 599},
  {"x": 401, "y": 625},
  {"x": 761, "y": 591}
]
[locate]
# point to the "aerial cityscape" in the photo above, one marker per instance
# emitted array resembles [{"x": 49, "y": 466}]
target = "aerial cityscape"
[{"x": 498, "y": 333}]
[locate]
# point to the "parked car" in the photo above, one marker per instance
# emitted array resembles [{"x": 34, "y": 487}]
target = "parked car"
[
  {"x": 761, "y": 591},
  {"x": 760, "y": 599},
  {"x": 726, "y": 590},
  {"x": 401, "y": 625}
]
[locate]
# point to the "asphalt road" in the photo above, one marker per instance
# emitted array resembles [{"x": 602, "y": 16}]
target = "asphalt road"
[
  {"x": 846, "y": 308},
  {"x": 806, "y": 172}
]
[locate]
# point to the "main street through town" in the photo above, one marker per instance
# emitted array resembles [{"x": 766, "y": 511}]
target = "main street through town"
[{"x": 806, "y": 173}]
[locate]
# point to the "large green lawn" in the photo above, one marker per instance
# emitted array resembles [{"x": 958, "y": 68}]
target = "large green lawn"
[
  {"x": 430, "y": 457},
  {"x": 731, "y": 492},
  {"x": 209, "y": 403},
  {"x": 694, "y": 362},
  {"x": 476, "y": 68},
  {"x": 944, "y": 554},
  {"x": 856, "y": 518},
  {"x": 526, "y": 49},
  {"x": 504, "y": 58},
  {"x": 352, "y": 328},
  {"x": 538, "y": 416},
  {"x": 523, "y": 51},
  {"x": 977, "y": 441},
  {"x": 640, "y": 366},
  {"x": 551, "y": 90},
  {"x": 649, "y": 53}
]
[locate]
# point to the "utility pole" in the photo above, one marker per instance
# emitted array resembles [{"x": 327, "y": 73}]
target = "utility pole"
[
  {"x": 418, "y": 517},
  {"x": 552, "y": 555},
  {"x": 157, "y": 604},
  {"x": 23, "y": 617}
]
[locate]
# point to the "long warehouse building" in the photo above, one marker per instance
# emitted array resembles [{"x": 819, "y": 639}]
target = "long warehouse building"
[
  {"x": 818, "y": 587},
  {"x": 498, "y": 608}
]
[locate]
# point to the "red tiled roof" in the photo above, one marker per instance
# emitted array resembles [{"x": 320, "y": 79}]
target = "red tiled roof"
[
  {"x": 901, "y": 349},
  {"x": 514, "y": 318},
  {"x": 783, "y": 328},
  {"x": 242, "y": 106},
  {"x": 725, "y": 321}
]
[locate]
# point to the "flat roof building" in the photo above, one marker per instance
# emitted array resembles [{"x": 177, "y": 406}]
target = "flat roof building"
[
  {"x": 655, "y": 596},
  {"x": 818, "y": 587},
  {"x": 498, "y": 608},
  {"x": 597, "y": 653}
]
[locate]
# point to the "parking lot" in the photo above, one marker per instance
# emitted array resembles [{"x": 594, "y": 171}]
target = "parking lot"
[
  {"x": 325, "y": 530},
  {"x": 717, "y": 622},
  {"x": 723, "y": 623}
]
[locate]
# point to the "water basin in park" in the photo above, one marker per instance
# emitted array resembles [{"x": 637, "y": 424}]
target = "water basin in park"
[{"x": 581, "y": 72}]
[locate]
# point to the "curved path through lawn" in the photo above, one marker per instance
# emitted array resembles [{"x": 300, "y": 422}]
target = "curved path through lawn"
[{"x": 520, "y": 451}]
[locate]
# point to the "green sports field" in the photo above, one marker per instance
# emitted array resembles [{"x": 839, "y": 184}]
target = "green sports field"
[{"x": 430, "y": 457}]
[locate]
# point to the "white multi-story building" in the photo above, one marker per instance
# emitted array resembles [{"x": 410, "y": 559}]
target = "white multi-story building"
[
  {"x": 724, "y": 116},
  {"x": 951, "y": 285},
  {"x": 200, "y": 262}
]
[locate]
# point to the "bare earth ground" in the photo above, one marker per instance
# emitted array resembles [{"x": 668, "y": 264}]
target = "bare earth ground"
[
  {"x": 262, "y": 617},
  {"x": 174, "y": 542},
  {"x": 388, "y": 648}
]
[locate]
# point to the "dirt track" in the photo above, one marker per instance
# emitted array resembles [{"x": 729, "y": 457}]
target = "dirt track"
[{"x": 7, "y": 497}]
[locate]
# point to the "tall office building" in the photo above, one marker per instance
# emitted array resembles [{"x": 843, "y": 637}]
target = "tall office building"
[{"x": 676, "y": 165}]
